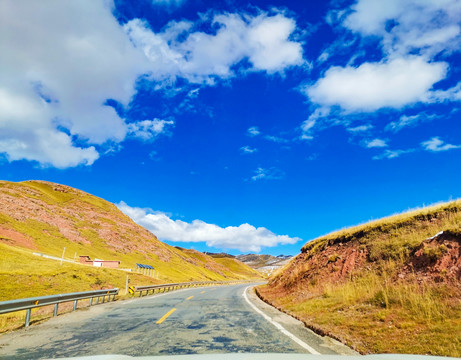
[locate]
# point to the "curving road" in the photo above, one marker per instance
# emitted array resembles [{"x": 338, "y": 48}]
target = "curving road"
[{"x": 224, "y": 319}]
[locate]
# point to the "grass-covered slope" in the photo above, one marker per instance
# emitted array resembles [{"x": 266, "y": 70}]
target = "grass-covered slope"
[
  {"x": 24, "y": 275},
  {"x": 43, "y": 217},
  {"x": 391, "y": 285}
]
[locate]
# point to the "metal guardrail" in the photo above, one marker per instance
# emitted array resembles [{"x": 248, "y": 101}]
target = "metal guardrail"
[
  {"x": 168, "y": 287},
  {"x": 35, "y": 302}
]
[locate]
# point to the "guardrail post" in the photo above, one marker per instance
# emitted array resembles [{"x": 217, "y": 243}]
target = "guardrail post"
[
  {"x": 97, "y": 300},
  {"x": 55, "y": 312},
  {"x": 27, "y": 317},
  {"x": 75, "y": 305},
  {"x": 91, "y": 301}
]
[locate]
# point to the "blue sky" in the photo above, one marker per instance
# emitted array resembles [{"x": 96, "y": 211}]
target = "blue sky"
[{"x": 229, "y": 126}]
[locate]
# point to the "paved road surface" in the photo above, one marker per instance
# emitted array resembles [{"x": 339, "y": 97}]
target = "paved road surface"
[{"x": 205, "y": 320}]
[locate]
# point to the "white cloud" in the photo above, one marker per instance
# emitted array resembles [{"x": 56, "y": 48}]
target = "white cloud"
[
  {"x": 276, "y": 139},
  {"x": 46, "y": 146},
  {"x": 376, "y": 143},
  {"x": 307, "y": 125},
  {"x": 244, "y": 237},
  {"x": 451, "y": 94},
  {"x": 253, "y": 131},
  {"x": 435, "y": 144},
  {"x": 267, "y": 174},
  {"x": 409, "y": 121},
  {"x": 409, "y": 34},
  {"x": 323, "y": 57},
  {"x": 360, "y": 128},
  {"x": 57, "y": 69},
  {"x": 306, "y": 137},
  {"x": 405, "y": 26},
  {"x": 179, "y": 51},
  {"x": 149, "y": 129},
  {"x": 392, "y": 154},
  {"x": 248, "y": 150},
  {"x": 373, "y": 86}
]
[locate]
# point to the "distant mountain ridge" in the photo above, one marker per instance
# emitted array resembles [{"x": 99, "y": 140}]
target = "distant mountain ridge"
[{"x": 265, "y": 264}]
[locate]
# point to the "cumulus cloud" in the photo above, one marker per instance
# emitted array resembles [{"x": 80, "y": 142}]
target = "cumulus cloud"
[
  {"x": 414, "y": 40},
  {"x": 373, "y": 86},
  {"x": 427, "y": 27},
  {"x": 181, "y": 50},
  {"x": 243, "y": 238},
  {"x": 60, "y": 69},
  {"x": 55, "y": 80},
  {"x": 435, "y": 144},
  {"x": 149, "y": 129},
  {"x": 376, "y": 143}
]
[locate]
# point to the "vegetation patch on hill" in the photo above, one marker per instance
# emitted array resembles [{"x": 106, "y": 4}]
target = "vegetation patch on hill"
[{"x": 388, "y": 286}]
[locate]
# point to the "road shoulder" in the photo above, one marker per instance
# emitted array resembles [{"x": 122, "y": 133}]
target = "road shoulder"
[{"x": 321, "y": 344}]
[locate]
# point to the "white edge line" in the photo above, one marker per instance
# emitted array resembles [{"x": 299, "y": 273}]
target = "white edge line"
[{"x": 278, "y": 326}]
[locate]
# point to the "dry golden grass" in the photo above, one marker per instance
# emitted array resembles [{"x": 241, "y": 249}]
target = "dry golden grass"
[
  {"x": 414, "y": 226},
  {"x": 381, "y": 307}
]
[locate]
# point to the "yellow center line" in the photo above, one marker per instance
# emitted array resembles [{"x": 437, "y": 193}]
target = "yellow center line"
[
  {"x": 202, "y": 292},
  {"x": 190, "y": 297},
  {"x": 164, "y": 317}
]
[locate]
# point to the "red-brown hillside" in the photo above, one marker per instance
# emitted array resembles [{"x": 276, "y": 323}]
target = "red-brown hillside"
[{"x": 392, "y": 285}]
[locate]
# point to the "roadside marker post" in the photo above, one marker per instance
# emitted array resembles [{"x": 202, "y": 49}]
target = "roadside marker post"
[{"x": 63, "y": 251}]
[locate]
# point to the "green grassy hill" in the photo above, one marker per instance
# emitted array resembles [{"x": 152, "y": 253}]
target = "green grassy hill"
[
  {"x": 388, "y": 286},
  {"x": 43, "y": 217}
]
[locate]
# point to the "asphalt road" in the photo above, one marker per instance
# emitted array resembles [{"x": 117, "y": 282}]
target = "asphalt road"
[{"x": 190, "y": 321}]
